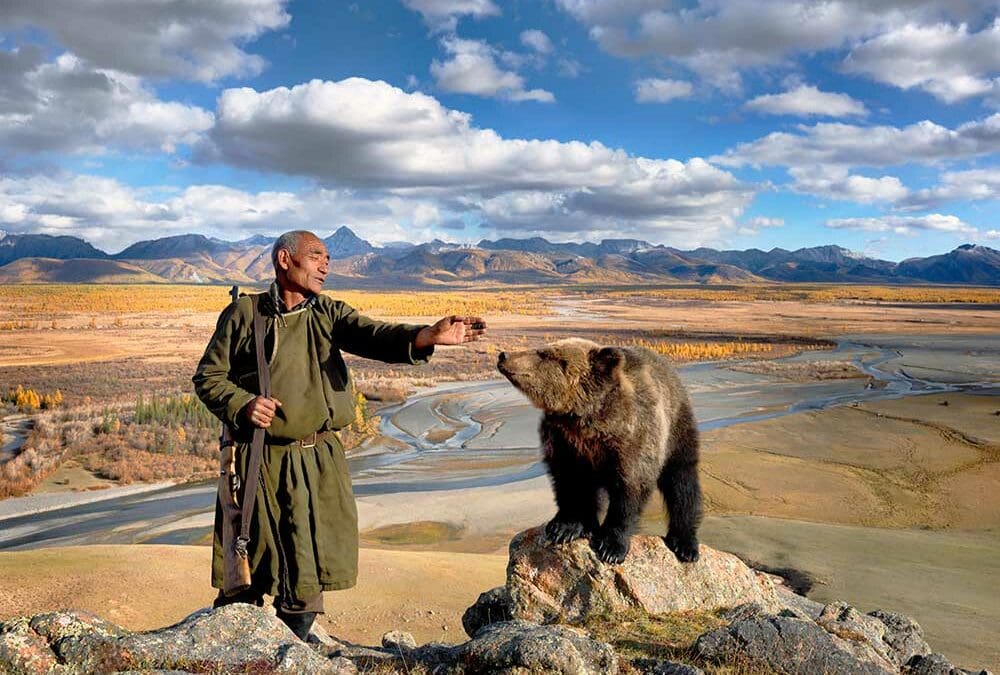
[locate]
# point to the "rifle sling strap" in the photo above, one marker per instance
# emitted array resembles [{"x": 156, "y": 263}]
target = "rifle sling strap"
[{"x": 257, "y": 445}]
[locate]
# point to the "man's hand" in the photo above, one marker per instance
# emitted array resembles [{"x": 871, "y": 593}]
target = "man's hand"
[
  {"x": 451, "y": 330},
  {"x": 260, "y": 411}
]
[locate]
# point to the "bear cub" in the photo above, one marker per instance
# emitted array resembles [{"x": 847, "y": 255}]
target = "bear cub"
[{"x": 617, "y": 422}]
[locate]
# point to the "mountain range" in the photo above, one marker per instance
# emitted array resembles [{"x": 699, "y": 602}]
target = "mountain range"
[{"x": 194, "y": 258}]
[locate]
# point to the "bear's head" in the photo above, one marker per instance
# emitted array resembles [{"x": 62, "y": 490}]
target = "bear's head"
[{"x": 570, "y": 376}]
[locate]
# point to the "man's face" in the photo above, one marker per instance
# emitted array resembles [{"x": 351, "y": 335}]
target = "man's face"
[{"x": 306, "y": 270}]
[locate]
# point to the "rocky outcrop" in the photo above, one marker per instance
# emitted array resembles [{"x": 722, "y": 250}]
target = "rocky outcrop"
[
  {"x": 895, "y": 638},
  {"x": 936, "y": 664},
  {"x": 492, "y": 606},
  {"x": 520, "y": 628},
  {"x": 787, "y": 645},
  {"x": 520, "y": 647},
  {"x": 568, "y": 583},
  {"x": 235, "y": 638}
]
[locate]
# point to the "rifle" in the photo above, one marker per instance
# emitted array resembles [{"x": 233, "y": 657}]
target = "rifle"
[{"x": 236, "y": 563}]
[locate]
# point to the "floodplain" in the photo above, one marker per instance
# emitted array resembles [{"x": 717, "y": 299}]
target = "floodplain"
[{"x": 851, "y": 441}]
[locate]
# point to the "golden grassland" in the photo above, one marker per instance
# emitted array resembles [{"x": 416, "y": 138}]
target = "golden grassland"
[
  {"x": 819, "y": 293},
  {"x": 24, "y": 304},
  {"x": 703, "y": 351}
]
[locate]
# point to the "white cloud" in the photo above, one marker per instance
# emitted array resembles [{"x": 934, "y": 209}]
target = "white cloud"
[
  {"x": 753, "y": 226},
  {"x": 992, "y": 234},
  {"x": 375, "y": 136},
  {"x": 974, "y": 184},
  {"x": 537, "y": 40},
  {"x": 442, "y": 15},
  {"x": 849, "y": 145},
  {"x": 943, "y": 59},
  {"x": 836, "y": 183},
  {"x": 653, "y": 90},
  {"x": 111, "y": 215},
  {"x": 904, "y": 224},
  {"x": 169, "y": 38},
  {"x": 718, "y": 39},
  {"x": 806, "y": 101},
  {"x": 68, "y": 106},
  {"x": 472, "y": 69},
  {"x": 762, "y": 221},
  {"x": 568, "y": 67}
]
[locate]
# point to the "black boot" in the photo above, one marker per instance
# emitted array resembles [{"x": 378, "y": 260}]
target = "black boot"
[{"x": 299, "y": 622}]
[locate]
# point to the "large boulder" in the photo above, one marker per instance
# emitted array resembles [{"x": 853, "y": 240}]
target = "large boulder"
[
  {"x": 551, "y": 583},
  {"x": 894, "y": 637},
  {"x": 234, "y": 638},
  {"x": 523, "y": 648},
  {"x": 789, "y": 645}
]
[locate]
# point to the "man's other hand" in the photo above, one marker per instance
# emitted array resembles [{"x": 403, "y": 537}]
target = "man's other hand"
[
  {"x": 260, "y": 411},
  {"x": 451, "y": 330}
]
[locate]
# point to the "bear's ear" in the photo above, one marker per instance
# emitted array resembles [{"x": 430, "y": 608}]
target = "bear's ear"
[{"x": 607, "y": 360}]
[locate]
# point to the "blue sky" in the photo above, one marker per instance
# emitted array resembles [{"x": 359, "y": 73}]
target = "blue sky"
[{"x": 724, "y": 123}]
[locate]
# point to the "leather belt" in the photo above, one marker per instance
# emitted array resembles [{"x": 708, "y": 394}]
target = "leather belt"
[{"x": 307, "y": 442}]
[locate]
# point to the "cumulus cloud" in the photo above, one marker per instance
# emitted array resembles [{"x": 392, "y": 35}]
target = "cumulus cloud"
[
  {"x": 718, "y": 39},
  {"x": 472, "y": 69},
  {"x": 757, "y": 223},
  {"x": 973, "y": 185},
  {"x": 170, "y": 38},
  {"x": 763, "y": 221},
  {"x": 806, "y": 101},
  {"x": 943, "y": 59},
  {"x": 904, "y": 224},
  {"x": 653, "y": 90},
  {"x": 374, "y": 136},
  {"x": 837, "y": 183},
  {"x": 849, "y": 145},
  {"x": 536, "y": 40},
  {"x": 67, "y": 105},
  {"x": 442, "y": 15},
  {"x": 111, "y": 215}
]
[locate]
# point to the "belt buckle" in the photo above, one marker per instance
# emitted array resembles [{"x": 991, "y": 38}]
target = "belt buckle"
[{"x": 303, "y": 443}]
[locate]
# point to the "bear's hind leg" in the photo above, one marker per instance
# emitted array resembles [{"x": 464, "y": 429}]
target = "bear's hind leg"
[
  {"x": 679, "y": 484},
  {"x": 576, "y": 499}
]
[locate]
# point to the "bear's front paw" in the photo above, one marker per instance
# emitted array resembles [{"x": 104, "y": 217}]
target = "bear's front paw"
[
  {"x": 561, "y": 531},
  {"x": 685, "y": 548},
  {"x": 611, "y": 547}
]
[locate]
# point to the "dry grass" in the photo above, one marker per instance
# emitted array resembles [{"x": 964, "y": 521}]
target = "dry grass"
[
  {"x": 26, "y": 304},
  {"x": 638, "y": 637}
]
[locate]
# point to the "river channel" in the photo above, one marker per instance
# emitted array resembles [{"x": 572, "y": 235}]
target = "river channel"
[{"x": 478, "y": 434}]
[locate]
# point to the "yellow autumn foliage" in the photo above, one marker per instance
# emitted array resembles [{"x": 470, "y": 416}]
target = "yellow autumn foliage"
[{"x": 103, "y": 299}]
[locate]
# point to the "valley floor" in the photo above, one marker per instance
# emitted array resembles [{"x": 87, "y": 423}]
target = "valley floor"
[{"x": 892, "y": 503}]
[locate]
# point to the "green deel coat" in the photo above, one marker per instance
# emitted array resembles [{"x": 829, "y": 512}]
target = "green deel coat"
[{"x": 304, "y": 529}]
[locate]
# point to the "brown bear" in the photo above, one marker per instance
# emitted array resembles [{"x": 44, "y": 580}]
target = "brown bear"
[{"x": 618, "y": 421}]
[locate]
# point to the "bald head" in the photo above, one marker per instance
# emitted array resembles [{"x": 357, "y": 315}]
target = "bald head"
[{"x": 289, "y": 241}]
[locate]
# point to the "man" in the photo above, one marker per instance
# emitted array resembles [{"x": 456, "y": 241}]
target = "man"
[{"x": 304, "y": 535}]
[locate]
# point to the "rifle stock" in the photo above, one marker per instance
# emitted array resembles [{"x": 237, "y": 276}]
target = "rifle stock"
[{"x": 236, "y": 564}]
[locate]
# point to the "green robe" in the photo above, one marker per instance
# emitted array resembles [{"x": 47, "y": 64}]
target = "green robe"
[{"x": 304, "y": 530}]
